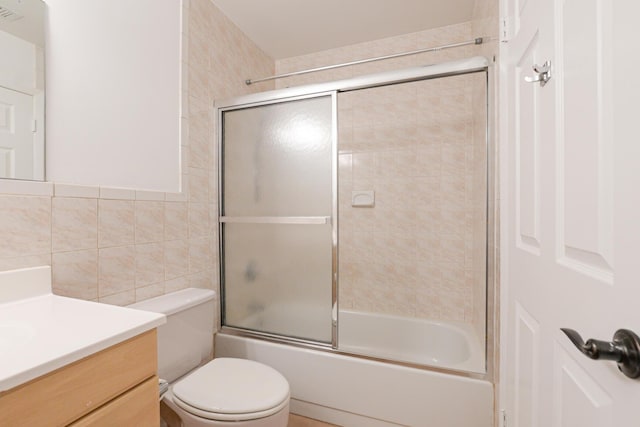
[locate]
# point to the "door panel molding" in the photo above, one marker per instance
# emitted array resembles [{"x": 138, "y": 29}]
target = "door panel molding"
[
  {"x": 584, "y": 187},
  {"x": 527, "y": 150},
  {"x": 578, "y": 400},
  {"x": 526, "y": 378}
]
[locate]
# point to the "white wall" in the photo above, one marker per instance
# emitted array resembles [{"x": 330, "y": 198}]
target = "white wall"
[{"x": 113, "y": 93}]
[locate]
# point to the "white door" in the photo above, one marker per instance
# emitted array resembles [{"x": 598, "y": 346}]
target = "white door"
[
  {"x": 571, "y": 188},
  {"x": 16, "y": 134}
]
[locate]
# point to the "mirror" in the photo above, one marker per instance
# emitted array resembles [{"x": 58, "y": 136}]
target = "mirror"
[{"x": 22, "y": 89}]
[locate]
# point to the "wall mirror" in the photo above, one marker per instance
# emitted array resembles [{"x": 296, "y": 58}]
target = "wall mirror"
[{"x": 22, "y": 92}]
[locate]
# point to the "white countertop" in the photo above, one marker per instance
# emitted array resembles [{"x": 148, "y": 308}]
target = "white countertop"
[{"x": 41, "y": 332}]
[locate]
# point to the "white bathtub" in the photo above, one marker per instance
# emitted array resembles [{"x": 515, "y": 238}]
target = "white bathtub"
[
  {"x": 356, "y": 392},
  {"x": 447, "y": 345}
]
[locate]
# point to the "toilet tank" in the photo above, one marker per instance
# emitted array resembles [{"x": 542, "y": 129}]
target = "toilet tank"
[{"x": 186, "y": 340}]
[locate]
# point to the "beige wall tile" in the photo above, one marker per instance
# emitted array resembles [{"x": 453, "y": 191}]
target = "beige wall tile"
[
  {"x": 203, "y": 279},
  {"x": 75, "y": 274},
  {"x": 116, "y": 222},
  {"x": 176, "y": 221},
  {"x": 198, "y": 220},
  {"x": 25, "y": 225},
  {"x": 149, "y": 221},
  {"x": 121, "y": 298},
  {"x": 150, "y": 291},
  {"x": 199, "y": 255},
  {"x": 75, "y": 224},
  {"x": 116, "y": 270},
  {"x": 149, "y": 264},
  {"x": 198, "y": 185},
  {"x": 176, "y": 284},
  {"x": 176, "y": 258}
]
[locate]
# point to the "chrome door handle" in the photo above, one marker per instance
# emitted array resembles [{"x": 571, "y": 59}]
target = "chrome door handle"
[
  {"x": 624, "y": 349},
  {"x": 543, "y": 74}
]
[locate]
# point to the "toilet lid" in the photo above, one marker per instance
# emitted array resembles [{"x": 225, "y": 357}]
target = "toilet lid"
[{"x": 233, "y": 386}]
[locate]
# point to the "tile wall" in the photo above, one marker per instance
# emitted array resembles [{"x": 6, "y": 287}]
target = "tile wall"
[
  {"x": 420, "y": 251},
  {"x": 119, "y": 246}
]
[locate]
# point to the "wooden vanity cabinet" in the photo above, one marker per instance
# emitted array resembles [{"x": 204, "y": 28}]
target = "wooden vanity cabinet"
[{"x": 116, "y": 386}]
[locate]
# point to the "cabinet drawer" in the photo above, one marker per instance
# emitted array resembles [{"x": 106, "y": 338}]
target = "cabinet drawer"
[
  {"x": 73, "y": 391},
  {"x": 138, "y": 407}
]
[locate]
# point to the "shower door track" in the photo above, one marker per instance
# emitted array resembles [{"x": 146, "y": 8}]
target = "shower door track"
[{"x": 453, "y": 68}]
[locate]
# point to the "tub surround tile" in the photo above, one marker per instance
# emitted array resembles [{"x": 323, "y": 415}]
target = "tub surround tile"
[
  {"x": 18, "y": 262},
  {"x": 413, "y": 145}
]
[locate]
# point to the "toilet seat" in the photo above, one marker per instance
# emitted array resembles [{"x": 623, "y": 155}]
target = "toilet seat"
[{"x": 229, "y": 389}]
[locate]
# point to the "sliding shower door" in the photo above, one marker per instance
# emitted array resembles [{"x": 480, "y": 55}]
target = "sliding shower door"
[{"x": 276, "y": 217}]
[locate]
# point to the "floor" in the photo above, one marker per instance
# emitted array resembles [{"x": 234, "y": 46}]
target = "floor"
[{"x": 298, "y": 421}]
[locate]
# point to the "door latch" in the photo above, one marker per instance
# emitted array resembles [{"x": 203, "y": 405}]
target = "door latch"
[{"x": 543, "y": 74}]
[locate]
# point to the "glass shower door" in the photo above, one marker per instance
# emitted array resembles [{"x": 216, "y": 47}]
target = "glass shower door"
[{"x": 277, "y": 205}]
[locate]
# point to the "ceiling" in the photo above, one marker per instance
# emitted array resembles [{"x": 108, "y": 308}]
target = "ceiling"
[
  {"x": 23, "y": 19},
  {"x": 285, "y": 28}
]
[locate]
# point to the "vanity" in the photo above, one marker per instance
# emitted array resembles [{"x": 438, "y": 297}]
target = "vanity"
[{"x": 65, "y": 361}]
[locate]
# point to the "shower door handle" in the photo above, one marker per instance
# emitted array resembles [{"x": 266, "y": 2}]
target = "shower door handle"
[
  {"x": 543, "y": 74},
  {"x": 624, "y": 349}
]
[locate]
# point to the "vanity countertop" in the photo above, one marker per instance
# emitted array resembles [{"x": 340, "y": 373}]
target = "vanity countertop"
[{"x": 41, "y": 332}]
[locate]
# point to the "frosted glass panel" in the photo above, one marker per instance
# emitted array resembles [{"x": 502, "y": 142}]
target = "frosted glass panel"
[
  {"x": 277, "y": 164},
  {"x": 278, "y": 279},
  {"x": 277, "y": 159}
]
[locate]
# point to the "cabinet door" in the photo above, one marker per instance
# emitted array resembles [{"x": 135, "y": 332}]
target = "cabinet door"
[
  {"x": 68, "y": 393},
  {"x": 139, "y": 407}
]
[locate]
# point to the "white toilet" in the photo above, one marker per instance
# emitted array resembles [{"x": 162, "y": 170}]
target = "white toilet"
[{"x": 220, "y": 393}]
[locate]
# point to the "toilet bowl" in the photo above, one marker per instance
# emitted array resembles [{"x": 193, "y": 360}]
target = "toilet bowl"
[
  {"x": 211, "y": 393},
  {"x": 231, "y": 392}
]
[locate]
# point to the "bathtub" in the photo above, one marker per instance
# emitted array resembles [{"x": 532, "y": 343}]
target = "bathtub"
[
  {"x": 447, "y": 345},
  {"x": 361, "y": 392}
]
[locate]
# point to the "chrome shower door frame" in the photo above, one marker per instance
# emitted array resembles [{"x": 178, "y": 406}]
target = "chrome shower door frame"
[
  {"x": 452, "y": 68},
  {"x": 238, "y": 104}
]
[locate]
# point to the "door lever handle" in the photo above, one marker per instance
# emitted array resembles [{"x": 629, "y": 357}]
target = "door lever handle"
[{"x": 624, "y": 349}]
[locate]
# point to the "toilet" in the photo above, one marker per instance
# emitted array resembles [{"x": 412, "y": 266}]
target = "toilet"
[{"x": 221, "y": 392}]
